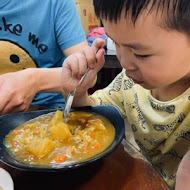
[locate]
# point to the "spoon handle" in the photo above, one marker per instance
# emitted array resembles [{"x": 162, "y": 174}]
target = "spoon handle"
[{"x": 71, "y": 96}]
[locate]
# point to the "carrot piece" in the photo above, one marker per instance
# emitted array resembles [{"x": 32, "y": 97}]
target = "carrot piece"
[
  {"x": 13, "y": 144},
  {"x": 88, "y": 150},
  {"x": 60, "y": 158},
  {"x": 97, "y": 145}
]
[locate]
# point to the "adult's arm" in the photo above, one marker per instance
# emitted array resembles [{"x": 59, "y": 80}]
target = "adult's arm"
[
  {"x": 49, "y": 80},
  {"x": 19, "y": 88}
]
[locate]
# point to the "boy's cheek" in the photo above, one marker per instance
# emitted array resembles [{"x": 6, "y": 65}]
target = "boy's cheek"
[{"x": 118, "y": 55}]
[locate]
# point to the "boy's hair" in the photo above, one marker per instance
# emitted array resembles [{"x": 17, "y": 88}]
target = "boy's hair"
[{"x": 175, "y": 13}]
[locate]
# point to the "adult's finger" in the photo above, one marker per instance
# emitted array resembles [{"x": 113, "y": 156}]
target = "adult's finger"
[{"x": 9, "y": 108}]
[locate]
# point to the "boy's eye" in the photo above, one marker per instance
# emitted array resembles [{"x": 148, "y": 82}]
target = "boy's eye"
[
  {"x": 115, "y": 43},
  {"x": 141, "y": 56}
]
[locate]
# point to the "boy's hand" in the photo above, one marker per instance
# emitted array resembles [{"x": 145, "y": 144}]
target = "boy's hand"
[{"x": 75, "y": 66}]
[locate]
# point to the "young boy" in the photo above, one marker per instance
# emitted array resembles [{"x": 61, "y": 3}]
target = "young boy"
[{"x": 152, "y": 92}]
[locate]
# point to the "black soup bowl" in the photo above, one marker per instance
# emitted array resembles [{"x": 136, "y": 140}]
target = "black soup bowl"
[{"x": 10, "y": 121}]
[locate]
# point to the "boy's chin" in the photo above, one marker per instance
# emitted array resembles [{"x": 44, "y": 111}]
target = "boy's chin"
[{"x": 146, "y": 86}]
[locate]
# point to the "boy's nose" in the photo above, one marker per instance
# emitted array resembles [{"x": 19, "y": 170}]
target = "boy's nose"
[
  {"x": 128, "y": 64},
  {"x": 126, "y": 61}
]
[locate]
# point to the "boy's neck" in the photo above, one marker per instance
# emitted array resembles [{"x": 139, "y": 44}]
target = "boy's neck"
[{"x": 170, "y": 92}]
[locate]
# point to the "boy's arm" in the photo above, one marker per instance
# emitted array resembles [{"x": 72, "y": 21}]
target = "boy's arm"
[{"x": 83, "y": 100}]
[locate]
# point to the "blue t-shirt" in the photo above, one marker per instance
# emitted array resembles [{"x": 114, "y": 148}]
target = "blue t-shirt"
[{"x": 42, "y": 29}]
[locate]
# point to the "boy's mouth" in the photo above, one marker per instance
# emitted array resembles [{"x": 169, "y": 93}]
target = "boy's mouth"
[{"x": 136, "y": 81}]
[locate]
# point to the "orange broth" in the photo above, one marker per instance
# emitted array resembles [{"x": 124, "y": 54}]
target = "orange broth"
[{"x": 48, "y": 140}]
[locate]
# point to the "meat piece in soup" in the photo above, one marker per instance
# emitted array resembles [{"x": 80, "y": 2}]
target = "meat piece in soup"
[{"x": 48, "y": 140}]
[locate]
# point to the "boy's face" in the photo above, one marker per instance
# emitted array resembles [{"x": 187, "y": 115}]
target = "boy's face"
[{"x": 152, "y": 56}]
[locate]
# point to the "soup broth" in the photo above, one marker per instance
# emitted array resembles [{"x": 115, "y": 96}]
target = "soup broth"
[{"x": 48, "y": 140}]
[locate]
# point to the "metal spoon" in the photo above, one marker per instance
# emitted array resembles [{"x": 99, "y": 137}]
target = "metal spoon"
[{"x": 71, "y": 96}]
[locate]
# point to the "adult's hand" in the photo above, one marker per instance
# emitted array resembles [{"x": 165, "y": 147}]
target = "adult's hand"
[{"x": 17, "y": 89}]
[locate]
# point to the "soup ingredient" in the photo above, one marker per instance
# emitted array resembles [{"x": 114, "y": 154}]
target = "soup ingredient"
[
  {"x": 41, "y": 147},
  {"x": 60, "y": 131},
  {"x": 48, "y": 140}
]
